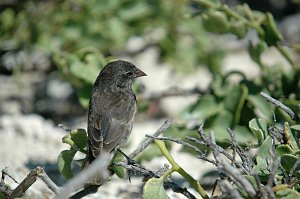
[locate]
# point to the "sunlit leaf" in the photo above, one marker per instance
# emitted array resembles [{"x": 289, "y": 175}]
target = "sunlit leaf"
[
  {"x": 64, "y": 163},
  {"x": 154, "y": 189}
]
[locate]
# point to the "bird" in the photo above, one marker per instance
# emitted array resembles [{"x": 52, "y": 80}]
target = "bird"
[{"x": 112, "y": 108}]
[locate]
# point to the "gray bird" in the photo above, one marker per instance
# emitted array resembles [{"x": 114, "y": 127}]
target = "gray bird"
[{"x": 112, "y": 108}]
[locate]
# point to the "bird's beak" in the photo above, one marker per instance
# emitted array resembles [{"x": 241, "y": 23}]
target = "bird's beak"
[{"x": 139, "y": 73}]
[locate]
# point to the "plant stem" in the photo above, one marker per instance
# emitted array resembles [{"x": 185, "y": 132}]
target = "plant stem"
[{"x": 175, "y": 167}]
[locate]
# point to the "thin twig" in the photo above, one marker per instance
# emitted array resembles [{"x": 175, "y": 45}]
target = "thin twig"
[
  {"x": 221, "y": 150},
  {"x": 227, "y": 188},
  {"x": 280, "y": 105},
  {"x": 145, "y": 143},
  {"x": 5, "y": 173},
  {"x": 223, "y": 165},
  {"x": 177, "y": 141},
  {"x": 148, "y": 173},
  {"x": 50, "y": 184},
  {"x": 233, "y": 144},
  {"x": 20, "y": 190}
]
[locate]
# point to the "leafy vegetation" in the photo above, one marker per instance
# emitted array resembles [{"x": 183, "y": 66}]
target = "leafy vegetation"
[{"x": 80, "y": 37}]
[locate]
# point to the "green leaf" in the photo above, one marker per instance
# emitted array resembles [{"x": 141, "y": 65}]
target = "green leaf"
[
  {"x": 219, "y": 125},
  {"x": 288, "y": 161},
  {"x": 252, "y": 180},
  {"x": 84, "y": 95},
  {"x": 235, "y": 100},
  {"x": 67, "y": 139},
  {"x": 135, "y": 11},
  {"x": 243, "y": 135},
  {"x": 272, "y": 34},
  {"x": 287, "y": 194},
  {"x": 202, "y": 109},
  {"x": 64, "y": 162},
  {"x": 79, "y": 137},
  {"x": 83, "y": 71},
  {"x": 262, "y": 107},
  {"x": 215, "y": 21},
  {"x": 7, "y": 19},
  {"x": 259, "y": 128},
  {"x": 255, "y": 51},
  {"x": 283, "y": 149},
  {"x": 154, "y": 189},
  {"x": 119, "y": 171},
  {"x": 261, "y": 167},
  {"x": 238, "y": 28},
  {"x": 149, "y": 153},
  {"x": 295, "y": 127}
]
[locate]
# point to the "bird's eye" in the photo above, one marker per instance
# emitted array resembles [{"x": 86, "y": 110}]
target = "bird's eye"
[{"x": 129, "y": 73}]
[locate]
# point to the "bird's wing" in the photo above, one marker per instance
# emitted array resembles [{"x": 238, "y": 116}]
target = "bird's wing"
[{"x": 111, "y": 123}]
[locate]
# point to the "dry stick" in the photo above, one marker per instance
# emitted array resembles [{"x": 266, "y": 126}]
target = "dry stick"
[
  {"x": 228, "y": 188},
  {"x": 20, "y": 190},
  {"x": 146, "y": 143},
  {"x": 246, "y": 160},
  {"x": 176, "y": 141},
  {"x": 220, "y": 150},
  {"x": 272, "y": 177},
  {"x": 50, "y": 184},
  {"x": 29, "y": 180},
  {"x": 224, "y": 166},
  {"x": 280, "y": 105},
  {"x": 231, "y": 171}
]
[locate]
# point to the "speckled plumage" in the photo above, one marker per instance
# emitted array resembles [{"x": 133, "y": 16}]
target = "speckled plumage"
[{"x": 112, "y": 107}]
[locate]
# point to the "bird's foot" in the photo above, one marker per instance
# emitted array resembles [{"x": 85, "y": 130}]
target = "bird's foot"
[{"x": 129, "y": 160}]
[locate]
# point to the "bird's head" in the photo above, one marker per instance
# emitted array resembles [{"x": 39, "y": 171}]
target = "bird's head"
[{"x": 119, "y": 74}]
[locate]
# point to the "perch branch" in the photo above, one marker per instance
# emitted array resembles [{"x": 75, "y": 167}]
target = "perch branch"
[{"x": 146, "y": 143}]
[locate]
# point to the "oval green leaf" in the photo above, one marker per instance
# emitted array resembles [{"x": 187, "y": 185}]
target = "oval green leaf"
[
  {"x": 258, "y": 127},
  {"x": 64, "y": 162},
  {"x": 154, "y": 189}
]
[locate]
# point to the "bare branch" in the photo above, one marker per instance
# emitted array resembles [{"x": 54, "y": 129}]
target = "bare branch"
[
  {"x": 177, "y": 141},
  {"x": 280, "y": 105},
  {"x": 20, "y": 190},
  {"x": 228, "y": 189},
  {"x": 148, "y": 173},
  {"x": 145, "y": 143},
  {"x": 50, "y": 184}
]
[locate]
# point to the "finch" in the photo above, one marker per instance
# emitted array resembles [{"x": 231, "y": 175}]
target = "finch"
[{"x": 112, "y": 108}]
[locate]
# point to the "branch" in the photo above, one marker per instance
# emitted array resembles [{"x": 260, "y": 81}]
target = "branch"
[
  {"x": 148, "y": 173},
  {"x": 227, "y": 188},
  {"x": 280, "y": 105},
  {"x": 148, "y": 141}
]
